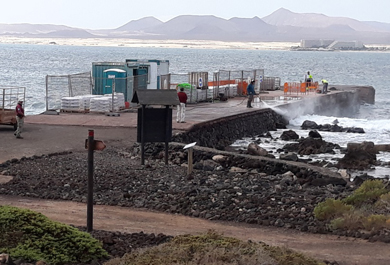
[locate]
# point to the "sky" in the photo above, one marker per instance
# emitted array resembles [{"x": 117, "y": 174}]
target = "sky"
[{"x": 110, "y": 14}]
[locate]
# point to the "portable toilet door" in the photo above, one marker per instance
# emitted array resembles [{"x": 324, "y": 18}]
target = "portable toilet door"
[
  {"x": 141, "y": 77},
  {"x": 117, "y": 78}
]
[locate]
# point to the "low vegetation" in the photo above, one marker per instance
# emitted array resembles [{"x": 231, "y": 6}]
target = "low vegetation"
[
  {"x": 366, "y": 209},
  {"x": 32, "y": 237},
  {"x": 212, "y": 248}
]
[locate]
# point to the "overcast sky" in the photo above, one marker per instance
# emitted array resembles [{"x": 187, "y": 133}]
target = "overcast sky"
[{"x": 108, "y": 14}]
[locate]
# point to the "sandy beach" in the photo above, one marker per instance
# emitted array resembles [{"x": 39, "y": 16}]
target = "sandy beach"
[{"x": 111, "y": 42}]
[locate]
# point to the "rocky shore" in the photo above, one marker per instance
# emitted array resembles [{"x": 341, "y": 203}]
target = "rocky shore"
[{"x": 224, "y": 186}]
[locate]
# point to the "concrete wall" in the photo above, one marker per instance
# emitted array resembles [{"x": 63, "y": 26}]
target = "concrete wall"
[{"x": 224, "y": 131}]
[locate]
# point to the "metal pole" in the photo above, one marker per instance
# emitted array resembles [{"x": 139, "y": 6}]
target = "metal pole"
[
  {"x": 113, "y": 92},
  {"x": 167, "y": 131},
  {"x": 142, "y": 135},
  {"x": 91, "y": 147},
  {"x": 47, "y": 91}
]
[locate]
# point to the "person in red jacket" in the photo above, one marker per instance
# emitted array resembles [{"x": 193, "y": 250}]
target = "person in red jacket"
[
  {"x": 181, "y": 109},
  {"x": 20, "y": 119}
]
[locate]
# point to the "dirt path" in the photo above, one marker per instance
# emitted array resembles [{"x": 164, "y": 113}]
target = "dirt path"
[{"x": 324, "y": 247}]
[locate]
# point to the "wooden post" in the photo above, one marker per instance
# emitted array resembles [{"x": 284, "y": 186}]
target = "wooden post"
[
  {"x": 91, "y": 147},
  {"x": 190, "y": 161}
]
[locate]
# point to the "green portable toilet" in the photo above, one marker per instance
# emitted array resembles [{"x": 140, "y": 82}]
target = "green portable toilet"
[{"x": 115, "y": 77}]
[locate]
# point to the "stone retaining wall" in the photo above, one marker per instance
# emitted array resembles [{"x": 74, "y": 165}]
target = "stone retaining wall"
[{"x": 223, "y": 132}]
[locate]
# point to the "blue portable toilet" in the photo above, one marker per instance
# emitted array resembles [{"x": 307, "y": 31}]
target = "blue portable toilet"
[{"x": 117, "y": 77}]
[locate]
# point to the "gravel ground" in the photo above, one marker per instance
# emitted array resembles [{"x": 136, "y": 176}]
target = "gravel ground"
[{"x": 249, "y": 196}]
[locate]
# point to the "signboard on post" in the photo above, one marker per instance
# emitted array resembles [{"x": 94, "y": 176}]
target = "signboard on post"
[
  {"x": 190, "y": 157},
  {"x": 91, "y": 145}
]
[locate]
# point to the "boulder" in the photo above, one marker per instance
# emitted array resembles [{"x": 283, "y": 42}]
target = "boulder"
[
  {"x": 237, "y": 170},
  {"x": 315, "y": 134},
  {"x": 254, "y": 149},
  {"x": 289, "y": 157},
  {"x": 358, "y": 180},
  {"x": 358, "y": 156},
  {"x": 309, "y": 125},
  {"x": 219, "y": 158},
  {"x": 309, "y": 146},
  {"x": 289, "y": 135},
  {"x": 355, "y": 130}
]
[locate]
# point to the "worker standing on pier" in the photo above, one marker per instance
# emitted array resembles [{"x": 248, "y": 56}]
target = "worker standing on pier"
[
  {"x": 308, "y": 79},
  {"x": 250, "y": 90},
  {"x": 19, "y": 119},
  {"x": 181, "y": 108},
  {"x": 324, "y": 86}
]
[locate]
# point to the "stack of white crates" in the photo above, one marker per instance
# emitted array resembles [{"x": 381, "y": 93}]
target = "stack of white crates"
[
  {"x": 86, "y": 100},
  {"x": 101, "y": 104},
  {"x": 119, "y": 100},
  {"x": 72, "y": 103}
]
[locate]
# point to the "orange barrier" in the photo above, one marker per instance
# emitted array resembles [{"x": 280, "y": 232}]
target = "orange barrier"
[
  {"x": 297, "y": 87},
  {"x": 313, "y": 86},
  {"x": 242, "y": 86},
  {"x": 221, "y": 82}
]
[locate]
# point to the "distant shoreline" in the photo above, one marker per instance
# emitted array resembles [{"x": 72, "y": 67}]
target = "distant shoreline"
[
  {"x": 119, "y": 42},
  {"x": 175, "y": 44}
]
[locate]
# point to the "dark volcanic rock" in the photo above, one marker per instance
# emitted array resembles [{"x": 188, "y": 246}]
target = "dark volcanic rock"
[
  {"x": 289, "y": 135},
  {"x": 254, "y": 149},
  {"x": 309, "y": 146},
  {"x": 315, "y": 134},
  {"x": 359, "y": 156},
  {"x": 309, "y": 125}
]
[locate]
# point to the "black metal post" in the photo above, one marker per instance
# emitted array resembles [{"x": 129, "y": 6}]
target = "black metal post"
[
  {"x": 91, "y": 147},
  {"x": 167, "y": 131},
  {"x": 142, "y": 135}
]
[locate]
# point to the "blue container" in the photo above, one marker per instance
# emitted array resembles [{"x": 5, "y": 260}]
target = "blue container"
[
  {"x": 114, "y": 79},
  {"x": 99, "y": 78}
]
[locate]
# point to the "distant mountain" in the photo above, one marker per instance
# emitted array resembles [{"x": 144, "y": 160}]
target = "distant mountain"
[
  {"x": 30, "y": 28},
  {"x": 379, "y": 25},
  {"x": 140, "y": 24},
  {"x": 184, "y": 24},
  {"x": 284, "y": 17},
  {"x": 281, "y": 25}
]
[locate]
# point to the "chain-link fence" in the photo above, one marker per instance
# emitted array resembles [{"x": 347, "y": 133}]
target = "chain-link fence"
[
  {"x": 270, "y": 83},
  {"x": 81, "y": 93},
  {"x": 232, "y": 83},
  {"x": 10, "y": 95},
  {"x": 60, "y": 86}
]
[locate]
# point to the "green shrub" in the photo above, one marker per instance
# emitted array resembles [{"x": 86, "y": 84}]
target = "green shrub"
[
  {"x": 32, "y": 236},
  {"x": 375, "y": 222},
  {"x": 368, "y": 192},
  {"x": 349, "y": 221},
  {"x": 383, "y": 202},
  {"x": 330, "y": 209}
]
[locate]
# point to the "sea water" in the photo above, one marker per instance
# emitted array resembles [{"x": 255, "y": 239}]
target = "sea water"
[{"x": 27, "y": 65}]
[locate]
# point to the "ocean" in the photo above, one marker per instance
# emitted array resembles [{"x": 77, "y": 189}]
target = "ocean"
[{"x": 27, "y": 65}]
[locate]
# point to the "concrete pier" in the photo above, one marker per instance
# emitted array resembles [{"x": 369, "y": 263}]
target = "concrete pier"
[{"x": 344, "y": 101}]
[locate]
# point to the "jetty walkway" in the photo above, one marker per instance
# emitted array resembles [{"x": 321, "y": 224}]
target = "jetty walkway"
[{"x": 44, "y": 134}]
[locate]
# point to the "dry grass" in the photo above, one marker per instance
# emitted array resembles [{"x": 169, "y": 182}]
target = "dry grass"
[{"x": 215, "y": 249}]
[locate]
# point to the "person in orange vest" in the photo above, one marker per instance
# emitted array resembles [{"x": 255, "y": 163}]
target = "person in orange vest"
[{"x": 181, "y": 108}]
